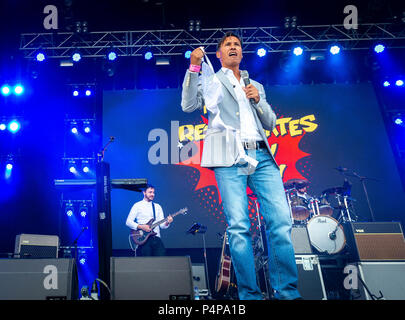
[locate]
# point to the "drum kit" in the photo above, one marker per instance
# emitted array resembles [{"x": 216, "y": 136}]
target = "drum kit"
[{"x": 322, "y": 216}]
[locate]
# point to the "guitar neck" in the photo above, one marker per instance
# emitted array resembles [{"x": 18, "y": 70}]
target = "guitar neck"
[{"x": 157, "y": 223}]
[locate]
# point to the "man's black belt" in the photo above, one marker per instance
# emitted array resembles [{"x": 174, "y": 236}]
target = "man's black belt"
[{"x": 253, "y": 145}]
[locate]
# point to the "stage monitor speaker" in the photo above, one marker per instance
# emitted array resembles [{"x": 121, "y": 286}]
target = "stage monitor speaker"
[
  {"x": 383, "y": 281},
  {"x": 38, "y": 279},
  {"x": 151, "y": 278},
  {"x": 300, "y": 240},
  {"x": 36, "y": 246},
  {"x": 375, "y": 241}
]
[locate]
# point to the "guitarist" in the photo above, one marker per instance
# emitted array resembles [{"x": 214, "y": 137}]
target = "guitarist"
[{"x": 141, "y": 213}]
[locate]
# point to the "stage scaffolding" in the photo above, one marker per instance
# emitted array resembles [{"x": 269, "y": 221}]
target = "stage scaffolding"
[{"x": 312, "y": 38}]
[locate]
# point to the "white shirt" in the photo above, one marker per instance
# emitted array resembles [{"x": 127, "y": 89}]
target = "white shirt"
[
  {"x": 248, "y": 126},
  {"x": 141, "y": 212}
]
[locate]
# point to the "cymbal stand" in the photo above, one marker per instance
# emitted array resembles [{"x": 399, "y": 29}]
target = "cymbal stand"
[
  {"x": 363, "y": 179},
  {"x": 289, "y": 204},
  {"x": 264, "y": 245}
]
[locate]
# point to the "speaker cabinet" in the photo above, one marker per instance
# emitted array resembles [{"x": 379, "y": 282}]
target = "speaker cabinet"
[
  {"x": 36, "y": 246},
  {"x": 300, "y": 240},
  {"x": 382, "y": 280},
  {"x": 375, "y": 241},
  {"x": 151, "y": 278},
  {"x": 199, "y": 278},
  {"x": 38, "y": 279}
]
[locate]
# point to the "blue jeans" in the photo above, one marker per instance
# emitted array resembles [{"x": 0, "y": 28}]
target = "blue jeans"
[{"x": 267, "y": 184}]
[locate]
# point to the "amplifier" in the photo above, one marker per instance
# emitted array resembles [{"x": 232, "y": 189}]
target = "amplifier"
[
  {"x": 375, "y": 241},
  {"x": 151, "y": 278},
  {"x": 300, "y": 240},
  {"x": 38, "y": 279},
  {"x": 36, "y": 246}
]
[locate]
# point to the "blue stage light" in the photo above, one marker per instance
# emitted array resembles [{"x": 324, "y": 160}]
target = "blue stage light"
[
  {"x": 187, "y": 54},
  {"x": 18, "y": 89},
  {"x": 112, "y": 56},
  {"x": 76, "y": 57},
  {"x": 386, "y": 84},
  {"x": 14, "y": 126},
  {"x": 261, "y": 52},
  {"x": 88, "y": 93},
  {"x": 3, "y": 126},
  {"x": 9, "y": 166},
  {"x": 40, "y": 57},
  {"x": 334, "y": 49},
  {"x": 379, "y": 48},
  {"x": 74, "y": 130},
  {"x": 298, "y": 51},
  {"x": 148, "y": 55},
  {"x": 398, "y": 121},
  {"x": 5, "y": 90},
  {"x": 75, "y": 93},
  {"x": 399, "y": 83}
]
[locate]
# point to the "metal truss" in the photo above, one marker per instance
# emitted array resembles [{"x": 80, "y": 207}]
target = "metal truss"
[{"x": 176, "y": 42}]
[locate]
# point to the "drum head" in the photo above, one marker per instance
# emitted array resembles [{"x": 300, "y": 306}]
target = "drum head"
[
  {"x": 325, "y": 234},
  {"x": 299, "y": 207}
]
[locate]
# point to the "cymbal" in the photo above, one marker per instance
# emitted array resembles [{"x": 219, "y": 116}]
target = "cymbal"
[{"x": 296, "y": 183}]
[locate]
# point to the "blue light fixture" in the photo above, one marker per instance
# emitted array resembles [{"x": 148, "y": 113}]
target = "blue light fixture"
[
  {"x": 40, "y": 57},
  {"x": 148, "y": 55},
  {"x": 14, "y": 126},
  {"x": 112, "y": 56},
  {"x": 386, "y": 83},
  {"x": 3, "y": 126},
  {"x": 18, "y": 89},
  {"x": 5, "y": 90},
  {"x": 335, "y": 49},
  {"x": 261, "y": 52},
  {"x": 298, "y": 51},
  {"x": 88, "y": 93},
  {"x": 379, "y": 48},
  {"x": 76, "y": 57},
  {"x": 187, "y": 54},
  {"x": 398, "y": 121},
  {"x": 399, "y": 83}
]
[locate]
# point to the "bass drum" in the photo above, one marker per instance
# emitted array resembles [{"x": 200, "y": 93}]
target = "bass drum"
[{"x": 326, "y": 234}]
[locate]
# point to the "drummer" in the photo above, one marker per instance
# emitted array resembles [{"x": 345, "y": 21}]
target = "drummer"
[{"x": 302, "y": 191}]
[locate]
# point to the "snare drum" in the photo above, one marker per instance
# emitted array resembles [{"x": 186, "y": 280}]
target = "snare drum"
[{"x": 326, "y": 234}]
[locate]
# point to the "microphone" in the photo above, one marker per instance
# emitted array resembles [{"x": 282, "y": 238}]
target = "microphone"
[{"x": 245, "y": 76}]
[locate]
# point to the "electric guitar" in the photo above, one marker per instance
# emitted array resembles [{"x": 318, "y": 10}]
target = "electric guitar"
[
  {"x": 223, "y": 278},
  {"x": 140, "y": 236}
]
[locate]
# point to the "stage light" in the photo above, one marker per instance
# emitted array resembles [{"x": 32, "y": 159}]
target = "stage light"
[
  {"x": 88, "y": 92},
  {"x": 18, "y": 89},
  {"x": 398, "y": 121},
  {"x": 261, "y": 52},
  {"x": 82, "y": 260},
  {"x": 75, "y": 93},
  {"x": 9, "y": 166},
  {"x": 40, "y": 57},
  {"x": 379, "y": 48},
  {"x": 76, "y": 57},
  {"x": 87, "y": 129},
  {"x": 83, "y": 211},
  {"x": 5, "y": 90},
  {"x": 187, "y": 54},
  {"x": 386, "y": 83},
  {"x": 3, "y": 126},
  {"x": 298, "y": 51},
  {"x": 399, "y": 83},
  {"x": 148, "y": 55},
  {"x": 69, "y": 209},
  {"x": 74, "y": 130},
  {"x": 112, "y": 56},
  {"x": 334, "y": 49},
  {"x": 14, "y": 126}
]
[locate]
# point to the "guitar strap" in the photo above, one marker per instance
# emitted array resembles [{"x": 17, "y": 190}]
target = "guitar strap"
[{"x": 153, "y": 208}]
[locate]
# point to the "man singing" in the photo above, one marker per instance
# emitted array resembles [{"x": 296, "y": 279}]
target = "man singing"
[{"x": 236, "y": 148}]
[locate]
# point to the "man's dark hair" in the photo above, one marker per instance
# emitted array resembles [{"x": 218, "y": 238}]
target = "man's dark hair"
[
  {"x": 148, "y": 186},
  {"x": 227, "y": 35}
]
